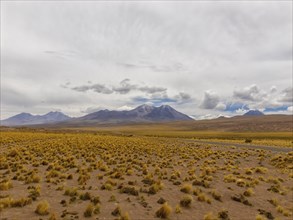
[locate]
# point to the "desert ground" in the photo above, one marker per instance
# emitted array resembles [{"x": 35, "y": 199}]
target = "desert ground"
[{"x": 92, "y": 175}]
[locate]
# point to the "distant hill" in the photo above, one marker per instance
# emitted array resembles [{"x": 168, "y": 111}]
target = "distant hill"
[
  {"x": 29, "y": 119},
  {"x": 143, "y": 113},
  {"x": 253, "y": 113},
  {"x": 240, "y": 123}
]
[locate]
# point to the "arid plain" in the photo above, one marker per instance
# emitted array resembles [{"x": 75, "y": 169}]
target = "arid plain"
[{"x": 103, "y": 173}]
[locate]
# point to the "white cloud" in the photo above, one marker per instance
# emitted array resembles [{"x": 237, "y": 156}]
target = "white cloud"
[
  {"x": 273, "y": 89},
  {"x": 241, "y": 111},
  {"x": 250, "y": 93},
  {"x": 210, "y": 100},
  {"x": 208, "y": 45},
  {"x": 287, "y": 95},
  {"x": 208, "y": 116},
  {"x": 221, "y": 107},
  {"x": 92, "y": 109},
  {"x": 125, "y": 107},
  {"x": 256, "y": 98}
]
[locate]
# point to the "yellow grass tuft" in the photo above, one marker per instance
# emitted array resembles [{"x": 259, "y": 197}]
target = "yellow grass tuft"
[
  {"x": 187, "y": 188},
  {"x": 164, "y": 211},
  {"x": 42, "y": 208},
  {"x": 186, "y": 201}
]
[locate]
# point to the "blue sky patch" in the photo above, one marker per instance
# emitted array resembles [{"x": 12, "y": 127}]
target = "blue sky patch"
[
  {"x": 276, "y": 109},
  {"x": 232, "y": 107}
]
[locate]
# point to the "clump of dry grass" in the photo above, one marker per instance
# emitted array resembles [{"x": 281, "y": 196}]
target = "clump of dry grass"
[
  {"x": 210, "y": 216},
  {"x": 117, "y": 211},
  {"x": 230, "y": 178},
  {"x": 21, "y": 202},
  {"x": 129, "y": 172},
  {"x": 161, "y": 201},
  {"x": 112, "y": 198},
  {"x": 95, "y": 200},
  {"x": 216, "y": 195},
  {"x": 261, "y": 170},
  {"x": 201, "y": 182},
  {"x": 241, "y": 198},
  {"x": 125, "y": 216},
  {"x": 249, "y": 192},
  {"x": 32, "y": 178},
  {"x": 283, "y": 211},
  {"x": 69, "y": 177},
  {"x": 85, "y": 196},
  {"x": 248, "y": 171},
  {"x": 156, "y": 187},
  {"x": 197, "y": 191},
  {"x": 274, "y": 202},
  {"x": 178, "y": 209},
  {"x": 5, "y": 185},
  {"x": 5, "y": 203},
  {"x": 260, "y": 217},
  {"x": 42, "y": 208},
  {"x": 10, "y": 202},
  {"x": 34, "y": 192},
  {"x": 53, "y": 217},
  {"x": 187, "y": 188},
  {"x": 240, "y": 182},
  {"x": 107, "y": 186},
  {"x": 223, "y": 215},
  {"x": 164, "y": 211},
  {"x": 91, "y": 210},
  {"x": 71, "y": 192},
  {"x": 130, "y": 190},
  {"x": 83, "y": 178},
  {"x": 148, "y": 179},
  {"x": 203, "y": 198},
  {"x": 186, "y": 201}
]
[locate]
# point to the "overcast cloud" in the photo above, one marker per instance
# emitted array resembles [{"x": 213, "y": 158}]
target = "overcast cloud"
[{"x": 203, "y": 58}]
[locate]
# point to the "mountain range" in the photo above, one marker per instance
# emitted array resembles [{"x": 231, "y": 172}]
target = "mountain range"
[
  {"x": 29, "y": 119},
  {"x": 139, "y": 114},
  {"x": 143, "y": 113},
  {"x": 253, "y": 113}
]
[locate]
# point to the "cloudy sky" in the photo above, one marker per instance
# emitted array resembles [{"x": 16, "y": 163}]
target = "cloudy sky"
[{"x": 203, "y": 58}]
